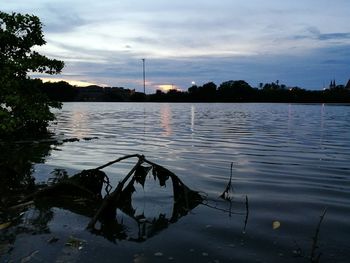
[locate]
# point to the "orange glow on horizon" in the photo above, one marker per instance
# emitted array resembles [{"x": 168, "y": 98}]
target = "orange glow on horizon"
[
  {"x": 71, "y": 82},
  {"x": 167, "y": 87}
]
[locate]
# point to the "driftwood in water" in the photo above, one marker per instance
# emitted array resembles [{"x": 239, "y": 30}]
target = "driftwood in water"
[
  {"x": 82, "y": 194},
  {"x": 88, "y": 185},
  {"x": 185, "y": 199}
]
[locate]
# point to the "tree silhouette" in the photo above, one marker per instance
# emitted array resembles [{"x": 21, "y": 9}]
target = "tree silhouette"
[
  {"x": 235, "y": 90},
  {"x": 23, "y": 108}
]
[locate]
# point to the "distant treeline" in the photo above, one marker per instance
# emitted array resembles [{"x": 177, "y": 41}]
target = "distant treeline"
[
  {"x": 229, "y": 91},
  {"x": 63, "y": 91}
]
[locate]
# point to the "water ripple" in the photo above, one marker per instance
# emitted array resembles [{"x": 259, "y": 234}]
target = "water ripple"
[{"x": 291, "y": 160}]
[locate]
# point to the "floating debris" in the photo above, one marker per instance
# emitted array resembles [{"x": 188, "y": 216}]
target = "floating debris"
[
  {"x": 5, "y": 225},
  {"x": 70, "y": 140},
  {"x": 276, "y": 225},
  {"x": 75, "y": 242}
]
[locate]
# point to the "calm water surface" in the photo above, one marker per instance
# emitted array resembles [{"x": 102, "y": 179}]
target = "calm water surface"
[{"x": 291, "y": 161}]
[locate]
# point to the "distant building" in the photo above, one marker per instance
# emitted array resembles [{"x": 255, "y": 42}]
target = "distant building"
[{"x": 332, "y": 85}]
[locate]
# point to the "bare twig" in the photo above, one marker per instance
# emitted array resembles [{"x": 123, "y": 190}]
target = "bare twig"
[
  {"x": 222, "y": 210},
  {"x": 225, "y": 194},
  {"x": 247, "y": 213},
  {"x": 313, "y": 257}
]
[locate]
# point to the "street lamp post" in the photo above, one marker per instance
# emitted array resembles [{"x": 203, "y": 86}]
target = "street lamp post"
[{"x": 144, "y": 76}]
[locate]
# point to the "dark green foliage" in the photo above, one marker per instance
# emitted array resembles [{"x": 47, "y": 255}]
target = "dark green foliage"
[
  {"x": 241, "y": 91},
  {"x": 235, "y": 90},
  {"x": 138, "y": 97},
  {"x": 63, "y": 91},
  {"x": 59, "y": 91},
  {"x": 24, "y": 109},
  {"x": 207, "y": 92},
  {"x": 337, "y": 94},
  {"x": 228, "y": 91}
]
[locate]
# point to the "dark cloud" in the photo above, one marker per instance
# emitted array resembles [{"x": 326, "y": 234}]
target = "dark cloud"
[
  {"x": 316, "y": 34},
  {"x": 334, "y": 36},
  {"x": 61, "y": 18}
]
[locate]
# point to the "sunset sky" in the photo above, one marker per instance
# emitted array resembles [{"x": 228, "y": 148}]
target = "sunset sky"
[{"x": 300, "y": 43}]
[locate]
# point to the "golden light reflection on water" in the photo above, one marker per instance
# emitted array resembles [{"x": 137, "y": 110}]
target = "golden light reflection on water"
[{"x": 165, "y": 120}]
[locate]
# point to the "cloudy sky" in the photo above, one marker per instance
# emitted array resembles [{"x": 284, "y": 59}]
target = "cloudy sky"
[{"x": 300, "y": 43}]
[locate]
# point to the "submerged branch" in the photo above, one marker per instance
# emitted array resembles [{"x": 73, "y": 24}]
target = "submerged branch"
[
  {"x": 313, "y": 257},
  {"x": 247, "y": 213},
  {"x": 113, "y": 198},
  {"x": 222, "y": 210},
  {"x": 88, "y": 184},
  {"x": 226, "y": 194}
]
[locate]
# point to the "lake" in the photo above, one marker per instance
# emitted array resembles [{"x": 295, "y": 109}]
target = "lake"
[{"x": 290, "y": 162}]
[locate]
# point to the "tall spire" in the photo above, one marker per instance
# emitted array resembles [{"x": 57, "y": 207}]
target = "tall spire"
[{"x": 332, "y": 85}]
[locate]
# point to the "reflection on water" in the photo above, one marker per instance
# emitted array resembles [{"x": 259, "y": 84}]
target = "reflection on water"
[
  {"x": 291, "y": 160},
  {"x": 165, "y": 118},
  {"x": 78, "y": 124},
  {"x": 193, "y": 111},
  {"x": 16, "y": 166}
]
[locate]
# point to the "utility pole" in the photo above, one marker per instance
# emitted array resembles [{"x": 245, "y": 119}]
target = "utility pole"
[{"x": 144, "y": 76}]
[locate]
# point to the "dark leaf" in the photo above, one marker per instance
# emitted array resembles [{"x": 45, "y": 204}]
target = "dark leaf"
[
  {"x": 162, "y": 174},
  {"x": 141, "y": 173}
]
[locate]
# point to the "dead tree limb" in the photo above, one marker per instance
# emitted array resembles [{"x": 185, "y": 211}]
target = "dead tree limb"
[
  {"x": 112, "y": 199},
  {"x": 118, "y": 160}
]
